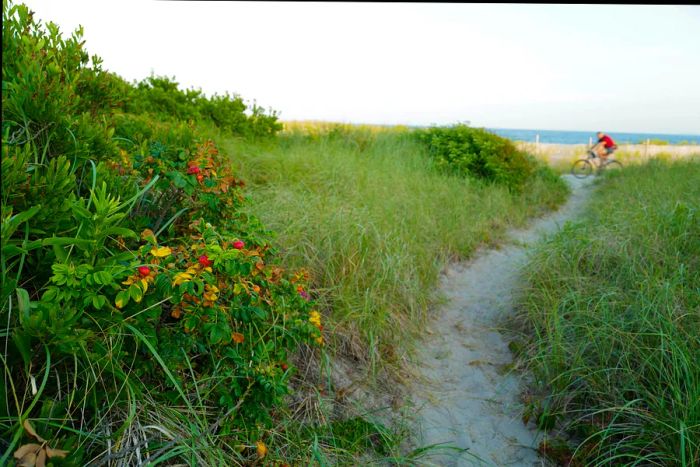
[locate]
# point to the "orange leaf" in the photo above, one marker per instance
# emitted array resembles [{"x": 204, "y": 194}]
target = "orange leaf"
[
  {"x": 148, "y": 236},
  {"x": 261, "y": 449},
  {"x": 238, "y": 338}
]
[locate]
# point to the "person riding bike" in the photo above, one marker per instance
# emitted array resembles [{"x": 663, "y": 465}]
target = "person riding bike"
[{"x": 604, "y": 147}]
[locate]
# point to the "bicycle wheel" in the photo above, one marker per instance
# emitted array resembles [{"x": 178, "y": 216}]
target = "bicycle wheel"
[
  {"x": 582, "y": 168},
  {"x": 612, "y": 166}
]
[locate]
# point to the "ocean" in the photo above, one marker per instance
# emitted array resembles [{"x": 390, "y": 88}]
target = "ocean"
[{"x": 582, "y": 137}]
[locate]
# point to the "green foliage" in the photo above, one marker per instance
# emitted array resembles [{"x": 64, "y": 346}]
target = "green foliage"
[
  {"x": 48, "y": 83},
  {"x": 129, "y": 270},
  {"x": 161, "y": 96},
  {"x": 366, "y": 211},
  {"x": 477, "y": 153},
  {"x": 614, "y": 316}
]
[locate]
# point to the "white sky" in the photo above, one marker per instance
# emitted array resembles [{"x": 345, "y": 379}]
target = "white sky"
[{"x": 625, "y": 68}]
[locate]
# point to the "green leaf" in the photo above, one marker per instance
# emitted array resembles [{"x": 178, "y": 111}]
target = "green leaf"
[
  {"x": 9, "y": 251},
  {"x": 178, "y": 180},
  {"x": 135, "y": 292},
  {"x": 50, "y": 295},
  {"x": 219, "y": 333},
  {"x": 105, "y": 277},
  {"x": 120, "y": 231},
  {"x": 23, "y": 303},
  {"x": 15, "y": 221},
  {"x": 60, "y": 253},
  {"x": 122, "y": 299},
  {"x": 61, "y": 241},
  {"x": 80, "y": 212},
  {"x": 22, "y": 342},
  {"x": 99, "y": 301},
  {"x": 259, "y": 312}
]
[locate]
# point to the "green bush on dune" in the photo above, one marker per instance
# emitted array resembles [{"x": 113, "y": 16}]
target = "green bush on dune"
[{"x": 478, "y": 153}]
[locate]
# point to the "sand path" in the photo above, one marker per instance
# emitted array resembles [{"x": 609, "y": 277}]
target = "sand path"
[{"x": 470, "y": 401}]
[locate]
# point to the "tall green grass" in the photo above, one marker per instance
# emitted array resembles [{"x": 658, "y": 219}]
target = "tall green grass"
[
  {"x": 374, "y": 221},
  {"x": 613, "y": 310}
]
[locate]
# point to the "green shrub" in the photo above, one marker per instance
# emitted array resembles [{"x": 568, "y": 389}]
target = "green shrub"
[
  {"x": 479, "y": 154},
  {"x": 129, "y": 271},
  {"x": 161, "y": 96},
  {"x": 48, "y": 83}
]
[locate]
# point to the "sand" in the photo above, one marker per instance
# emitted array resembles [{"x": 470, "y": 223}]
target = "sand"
[
  {"x": 627, "y": 153},
  {"x": 467, "y": 397}
]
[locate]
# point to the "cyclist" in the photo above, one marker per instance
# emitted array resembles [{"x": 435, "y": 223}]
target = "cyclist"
[{"x": 604, "y": 147}]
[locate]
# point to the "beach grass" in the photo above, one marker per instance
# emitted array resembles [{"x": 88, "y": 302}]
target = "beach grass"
[
  {"x": 366, "y": 211},
  {"x": 613, "y": 318}
]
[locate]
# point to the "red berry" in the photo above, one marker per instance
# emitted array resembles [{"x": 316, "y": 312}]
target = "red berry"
[
  {"x": 200, "y": 177},
  {"x": 238, "y": 245},
  {"x": 193, "y": 169},
  {"x": 144, "y": 270},
  {"x": 205, "y": 261},
  {"x": 284, "y": 367}
]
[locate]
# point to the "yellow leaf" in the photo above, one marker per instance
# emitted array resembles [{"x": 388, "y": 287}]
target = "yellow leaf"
[
  {"x": 181, "y": 277},
  {"x": 119, "y": 302},
  {"x": 161, "y": 252},
  {"x": 261, "y": 449},
  {"x": 144, "y": 285}
]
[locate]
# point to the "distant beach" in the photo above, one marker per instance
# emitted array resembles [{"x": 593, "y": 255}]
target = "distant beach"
[{"x": 561, "y": 155}]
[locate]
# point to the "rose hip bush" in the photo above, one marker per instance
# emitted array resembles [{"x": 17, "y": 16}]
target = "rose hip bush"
[
  {"x": 224, "y": 292},
  {"x": 128, "y": 265}
]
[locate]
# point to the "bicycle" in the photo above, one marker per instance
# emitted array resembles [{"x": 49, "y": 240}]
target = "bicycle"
[{"x": 582, "y": 168}]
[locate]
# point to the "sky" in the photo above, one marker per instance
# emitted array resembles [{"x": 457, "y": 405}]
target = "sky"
[{"x": 625, "y": 68}]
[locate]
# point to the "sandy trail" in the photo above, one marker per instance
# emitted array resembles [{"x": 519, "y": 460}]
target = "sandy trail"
[{"x": 470, "y": 401}]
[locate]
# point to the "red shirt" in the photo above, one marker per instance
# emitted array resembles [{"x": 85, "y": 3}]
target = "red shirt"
[{"x": 607, "y": 141}]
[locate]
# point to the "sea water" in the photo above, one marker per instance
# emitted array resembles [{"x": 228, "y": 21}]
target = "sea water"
[{"x": 583, "y": 137}]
